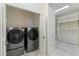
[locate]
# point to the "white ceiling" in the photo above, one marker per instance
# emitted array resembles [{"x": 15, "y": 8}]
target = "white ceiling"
[{"x": 74, "y": 7}]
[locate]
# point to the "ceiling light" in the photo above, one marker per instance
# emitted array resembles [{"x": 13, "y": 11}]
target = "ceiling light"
[{"x": 62, "y": 8}]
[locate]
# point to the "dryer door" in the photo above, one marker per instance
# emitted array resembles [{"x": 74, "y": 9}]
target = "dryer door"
[
  {"x": 33, "y": 34},
  {"x": 15, "y": 36}
]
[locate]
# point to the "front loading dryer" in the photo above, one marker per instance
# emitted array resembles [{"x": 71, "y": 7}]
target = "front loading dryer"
[
  {"x": 31, "y": 39},
  {"x": 15, "y": 41}
]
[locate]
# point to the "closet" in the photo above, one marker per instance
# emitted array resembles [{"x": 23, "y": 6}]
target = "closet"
[
  {"x": 19, "y": 18},
  {"x": 68, "y": 34}
]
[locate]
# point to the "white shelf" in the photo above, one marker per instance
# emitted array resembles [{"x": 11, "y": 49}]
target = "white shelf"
[{"x": 67, "y": 19}]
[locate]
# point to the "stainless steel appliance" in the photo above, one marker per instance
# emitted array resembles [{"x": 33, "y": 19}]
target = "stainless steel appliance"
[
  {"x": 31, "y": 39},
  {"x": 15, "y": 41}
]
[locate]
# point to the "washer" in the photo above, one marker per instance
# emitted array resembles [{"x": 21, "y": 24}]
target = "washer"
[
  {"x": 15, "y": 41},
  {"x": 31, "y": 39}
]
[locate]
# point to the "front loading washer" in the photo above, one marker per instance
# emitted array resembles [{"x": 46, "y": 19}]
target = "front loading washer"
[
  {"x": 15, "y": 41},
  {"x": 31, "y": 39}
]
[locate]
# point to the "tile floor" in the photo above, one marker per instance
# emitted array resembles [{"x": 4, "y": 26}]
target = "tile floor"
[{"x": 34, "y": 53}]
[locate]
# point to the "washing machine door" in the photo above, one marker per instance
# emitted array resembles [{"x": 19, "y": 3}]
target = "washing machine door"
[
  {"x": 15, "y": 36},
  {"x": 33, "y": 34}
]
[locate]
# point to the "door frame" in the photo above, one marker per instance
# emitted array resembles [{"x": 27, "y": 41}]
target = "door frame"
[
  {"x": 1, "y": 29},
  {"x": 4, "y": 30}
]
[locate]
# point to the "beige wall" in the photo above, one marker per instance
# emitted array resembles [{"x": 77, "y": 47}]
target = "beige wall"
[
  {"x": 21, "y": 18},
  {"x": 36, "y": 21}
]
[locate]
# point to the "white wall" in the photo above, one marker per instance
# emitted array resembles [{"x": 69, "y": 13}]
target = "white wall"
[
  {"x": 43, "y": 36},
  {"x": 21, "y": 18},
  {"x": 51, "y": 30}
]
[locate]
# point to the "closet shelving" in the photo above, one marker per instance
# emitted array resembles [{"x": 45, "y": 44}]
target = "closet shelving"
[
  {"x": 67, "y": 29},
  {"x": 67, "y": 32}
]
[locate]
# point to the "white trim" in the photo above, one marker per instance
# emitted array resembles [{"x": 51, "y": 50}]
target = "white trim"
[{"x": 4, "y": 30}]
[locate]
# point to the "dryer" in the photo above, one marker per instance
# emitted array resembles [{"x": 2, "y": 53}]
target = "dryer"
[
  {"x": 31, "y": 39},
  {"x": 15, "y": 41}
]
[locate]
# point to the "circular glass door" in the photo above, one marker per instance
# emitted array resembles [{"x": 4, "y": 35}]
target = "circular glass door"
[
  {"x": 33, "y": 34},
  {"x": 15, "y": 36}
]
